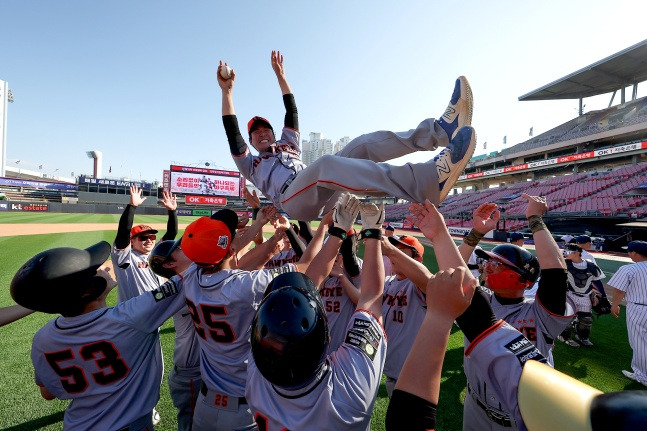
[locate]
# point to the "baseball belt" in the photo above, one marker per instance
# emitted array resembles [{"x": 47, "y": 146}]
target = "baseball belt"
[
  {"x": 494, "y": 415},
  {"x": 220, "y": 400},
  {"x": 288, "y": 182}
]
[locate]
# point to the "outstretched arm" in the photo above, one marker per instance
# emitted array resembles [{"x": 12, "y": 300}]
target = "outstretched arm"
[
  {"x": 291, "y": 114},
  {"x": 372, "y": 287},
  {"x": 432, "y": 224},
  {"x": 485, "y": 219},
  {"x": 237, "y": 145},
  {"x": 122, "y": 240},
  {"x": 170, "y": 203}
]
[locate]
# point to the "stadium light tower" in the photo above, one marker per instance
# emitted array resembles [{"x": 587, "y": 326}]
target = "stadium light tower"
[
  {"x": 5, "y": 98},
  {"x": 97, "y": 156}
]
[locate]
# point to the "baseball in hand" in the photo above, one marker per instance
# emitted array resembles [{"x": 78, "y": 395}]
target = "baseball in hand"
[{"x": 225, "y": 72}]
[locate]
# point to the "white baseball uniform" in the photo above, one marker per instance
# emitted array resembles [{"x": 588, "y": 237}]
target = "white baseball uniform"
[
  {"x": 108, "y": 361},
  {"x": 305, "y": 194},
  {"x": 403, "y": 309},
  {"x": 493, "y": 365},
  {"x": 532, "y": 319},
  {"x": 339, "y": 308},
  {"x": 340, "y": 398},
  {"x": 222, "y": 305},
  {"x": 282, "y": 258},
  {"x": 133, "y": 274},
  {"x": 632, "y": 279}
]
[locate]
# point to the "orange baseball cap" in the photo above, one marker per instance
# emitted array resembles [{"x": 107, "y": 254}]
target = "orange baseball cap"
[
  {"x": 408, "y": 241},
  {"x": 208, "y": 239},
  {"x": 141, "y": 228}
]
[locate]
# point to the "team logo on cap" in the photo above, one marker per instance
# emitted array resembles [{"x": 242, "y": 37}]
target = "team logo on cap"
[{"x": 223, "y": 241}]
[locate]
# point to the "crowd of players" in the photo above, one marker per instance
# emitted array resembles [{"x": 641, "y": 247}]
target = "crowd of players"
[{"x": 296, "y": 332}]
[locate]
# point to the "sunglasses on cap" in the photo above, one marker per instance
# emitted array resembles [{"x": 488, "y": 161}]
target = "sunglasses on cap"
[{"x": 143, "y": 238}]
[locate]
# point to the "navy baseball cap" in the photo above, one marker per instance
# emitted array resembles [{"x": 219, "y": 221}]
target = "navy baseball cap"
[
  {"x": 389, "y": 227},
  {"x": 582, "y": 239},
  {"x": 639, "y": 247},
  {"x": 516, "y": 236}
]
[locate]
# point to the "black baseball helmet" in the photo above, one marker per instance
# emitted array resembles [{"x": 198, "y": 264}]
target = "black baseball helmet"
[
  {"x": 516, "y": 258},
  {"x": 160, "y": 254},
  {"x": 61, "y": 280},
  {"x": 290, "y": 337},
  {"x": 297, "y": 279}
]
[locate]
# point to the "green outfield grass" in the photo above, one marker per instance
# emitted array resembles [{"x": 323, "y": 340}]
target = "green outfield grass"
[
  {"x": 26, "y": 218},
  {"x": 22, "y": 408}
]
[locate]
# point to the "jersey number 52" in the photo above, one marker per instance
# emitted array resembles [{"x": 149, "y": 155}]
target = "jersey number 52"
[{"x": 219, "y": 330}]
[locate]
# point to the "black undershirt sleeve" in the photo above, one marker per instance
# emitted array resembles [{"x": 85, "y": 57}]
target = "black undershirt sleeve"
[
  {"x": 478, "y": 317},
  {"x": 410, "y": 412},
  {"x": 551, "y": 292},
  {"x": 125, "y": 224},
  {"x": 297, "y": 245},
  {"x": 291, "y": 114},
  {"x": 347, "y": 250},
  {"x": 171, "y": 226},
  {"x": 237, "y": 144},
  {"x": 305, "y": 231}
]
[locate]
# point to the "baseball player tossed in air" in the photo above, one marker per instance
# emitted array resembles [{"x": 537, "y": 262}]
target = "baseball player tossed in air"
[
  {"x": 306, "y": 192},
  {"x": 294, "y": 382},
  {"x": 133, "y": 244},
  {"x": 630, "y": 283},
  {"x": 403, "y": 301},
  {"x": 107, "y": 361},
  {"x": 222, "y": 301},
  {"x": 510, "y": 270},
  {"x": 581, "y": 275},
  {"x": 184, "y": 380},
  {"x": 340, "y": 290}
]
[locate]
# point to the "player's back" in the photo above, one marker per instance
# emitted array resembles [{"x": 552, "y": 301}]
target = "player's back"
[
  {"x": 223, "y": 305},
  {"x": 341, "y": 398},
  {"x": 107, "y": 361}
]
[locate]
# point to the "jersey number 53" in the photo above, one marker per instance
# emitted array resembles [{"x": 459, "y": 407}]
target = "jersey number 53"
[{"x": 219, "y": 330}]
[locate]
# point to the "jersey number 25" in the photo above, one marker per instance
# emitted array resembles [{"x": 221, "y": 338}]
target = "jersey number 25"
[{"x": 219, "y": 330}]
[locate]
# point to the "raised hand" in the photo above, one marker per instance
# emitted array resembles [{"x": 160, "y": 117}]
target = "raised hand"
[
  {"x": 252, "y": 198},
  {"x": 136, "y": 198},
  {"x": 280, "y": 222},
  {"x": 169, "y": 201},
  {"x": 225, "y": 84},
  {"x": 345, "y": 211},
  {"x": 536, "y": 205},
  {"x": 372, "y": 215},
  {"x": 426, "y": 217},
  {"x": 485, "y": 217},
  {"x": 277, "y": 63},
  {"x": 450, "y": 292}
]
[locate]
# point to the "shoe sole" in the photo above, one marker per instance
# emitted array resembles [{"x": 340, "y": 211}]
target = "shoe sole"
[
  {"x": 458, "y": 169},
  {"x": 465, "y": 120}
]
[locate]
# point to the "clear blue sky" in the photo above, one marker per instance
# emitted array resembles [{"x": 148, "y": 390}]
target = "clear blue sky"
[{"x": 136, "y": 79}]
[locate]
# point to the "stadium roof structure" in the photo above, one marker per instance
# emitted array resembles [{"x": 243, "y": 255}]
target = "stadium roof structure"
[{"x": 613, "y": 73}]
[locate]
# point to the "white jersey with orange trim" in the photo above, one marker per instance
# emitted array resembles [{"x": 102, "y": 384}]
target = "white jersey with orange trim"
[
  {"x": 222, "y": 305},
  {"x": 282, "y": 258},
  {"x": 133, "y": 274},
  {"x": 340, "y": 398},
  {"x": 532, "y": 319},
  {"x": 339, "y": 308},
  {"x": 493, "y": 364},
  {"x": 108, "y": 361},
  {"x": 270, "y": 171},
  {"x": 403, "y": 309}
]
